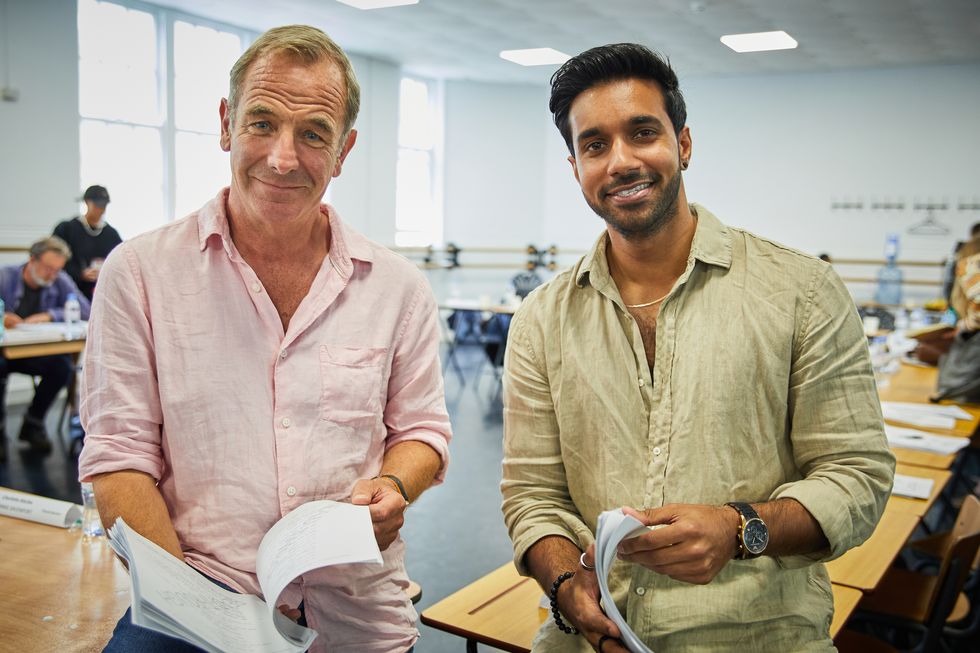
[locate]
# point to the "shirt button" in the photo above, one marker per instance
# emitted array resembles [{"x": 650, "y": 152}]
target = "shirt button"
[
  {"x": 286, "y": 422},
  {"x": 641, "y": 382},
  {"x": 257, "y": 287},
  {"x": 282, "y": 354},
  {"x": 656, "y": 451},
  {"x": 291, "y": 491},
  {"x": 640, "y": 591}
]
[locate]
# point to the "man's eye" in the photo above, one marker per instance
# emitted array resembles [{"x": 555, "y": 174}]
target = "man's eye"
[
  {"x": 312, "y": 136},
  {"x": 594, "y": 146},
  {"x": 261, "y": 125}
]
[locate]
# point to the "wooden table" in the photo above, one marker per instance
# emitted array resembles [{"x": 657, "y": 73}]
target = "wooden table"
[
  {"x": 502, "y": 610},
  {"x": 477, "y": 306},
  {"x": 863, "y": 567},
  {"x": 918, "y": 507},
  {"x": 916, "y": 384},
  {"x": 50, "y": 345},
  {"x": 59, "y": 592}
]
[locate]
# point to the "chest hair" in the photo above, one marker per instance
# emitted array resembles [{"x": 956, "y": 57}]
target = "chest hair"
[
  {"x": 646, "y": 320},
  {"x": 287, "y": 285}
]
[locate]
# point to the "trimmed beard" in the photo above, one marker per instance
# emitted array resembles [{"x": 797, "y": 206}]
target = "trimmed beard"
[{"x": 659, "y": 216}]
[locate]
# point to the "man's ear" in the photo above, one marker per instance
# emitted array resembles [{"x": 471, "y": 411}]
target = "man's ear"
[
  {"x": 684, "y": 144},
  {"x": 225, "y": 138},
  {"x": 348, "y": 146}
]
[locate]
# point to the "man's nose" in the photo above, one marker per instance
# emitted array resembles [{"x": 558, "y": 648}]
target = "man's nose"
[
  {"x": 622, "y": 158},
  {"x": 282, "y": 158}
]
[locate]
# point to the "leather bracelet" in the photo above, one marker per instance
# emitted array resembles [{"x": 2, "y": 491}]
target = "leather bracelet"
[
  {"x": 553, "y": 595},
  {"x": 398, "y": 483}
]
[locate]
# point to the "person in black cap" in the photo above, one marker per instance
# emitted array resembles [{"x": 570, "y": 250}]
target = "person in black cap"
[{"x": 90, "y": 238}]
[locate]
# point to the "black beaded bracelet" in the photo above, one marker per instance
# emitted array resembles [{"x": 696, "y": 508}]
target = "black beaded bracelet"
[
  {"x": 398, "y": 482},
  {"x": 562, "y": 626}
]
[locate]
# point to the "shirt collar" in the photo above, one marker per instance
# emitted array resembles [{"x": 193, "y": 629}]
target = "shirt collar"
[
  {"x": 712, "y": 245},
  {"x": 346, "y": 245}
]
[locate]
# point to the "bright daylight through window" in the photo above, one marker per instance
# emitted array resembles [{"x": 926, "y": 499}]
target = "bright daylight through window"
[
  {"x": 418, "y": 205},
  {"x": 149, "y": 118}
]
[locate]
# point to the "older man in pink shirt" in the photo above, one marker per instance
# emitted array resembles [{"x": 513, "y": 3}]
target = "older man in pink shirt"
[{"x": 259, "y": 354}]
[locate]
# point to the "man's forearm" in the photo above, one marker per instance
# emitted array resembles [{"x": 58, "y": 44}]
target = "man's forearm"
[
  {"x": 134, "y": 497},
  {"x": 549, "y": 557},
  {"x": 414, "y": 463},
  {"x": 792, "y": 529}
]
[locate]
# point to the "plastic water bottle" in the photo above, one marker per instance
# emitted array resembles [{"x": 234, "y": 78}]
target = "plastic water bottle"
[
  {"x": 917, "y": 319},
  {"x": 3, "y": 311},
  {"x": 91, "y": 523},
  {"x": 73, "y": 315},
  {"x": 890, "y": 277}
]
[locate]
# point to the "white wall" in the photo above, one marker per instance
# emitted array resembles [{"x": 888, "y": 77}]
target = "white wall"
[
  {"x": 772, "y": 152},
  {"x": 364, "y": 194},
  {"x": 39, "y": 132}
]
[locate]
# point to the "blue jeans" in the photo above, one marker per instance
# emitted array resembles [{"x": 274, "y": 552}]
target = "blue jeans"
[{"x": 127, "y": 638}]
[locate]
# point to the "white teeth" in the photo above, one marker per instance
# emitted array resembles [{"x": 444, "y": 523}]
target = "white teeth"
[{"x": 632, "y": 191}]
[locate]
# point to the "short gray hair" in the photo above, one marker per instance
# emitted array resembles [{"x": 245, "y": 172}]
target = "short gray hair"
[
  {"x": 311, "y": 46},
  {"x": 50, "y": 244}
]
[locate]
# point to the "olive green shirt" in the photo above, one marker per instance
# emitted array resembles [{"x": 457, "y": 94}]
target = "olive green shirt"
[{"x": 761, "y": 389}]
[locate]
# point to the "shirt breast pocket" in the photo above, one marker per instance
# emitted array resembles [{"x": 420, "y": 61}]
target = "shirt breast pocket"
[{"x": 351, "y": 379}]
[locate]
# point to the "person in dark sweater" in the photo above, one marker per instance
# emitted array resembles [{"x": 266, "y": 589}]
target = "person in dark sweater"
[{"x": 90, "y": 238}]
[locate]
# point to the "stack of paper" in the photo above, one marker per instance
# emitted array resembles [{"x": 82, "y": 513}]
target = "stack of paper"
[
  {"x": 614, "y": 527},
  {"x": 922, "y": 441},
  {"x": 171, "y": 597},
  {"x": 928, "y": 415},
  {"x": 913, "y": 487}
]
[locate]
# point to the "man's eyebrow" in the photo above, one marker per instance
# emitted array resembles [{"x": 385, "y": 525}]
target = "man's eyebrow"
[
  {"x": 646, "y": 120},
  {"x": 258, "y": 110},
  {"x": 588, "y": 133},
  {"x": 322, "y": 124}
]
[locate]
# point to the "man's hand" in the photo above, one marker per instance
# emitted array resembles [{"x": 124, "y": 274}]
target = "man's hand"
[
  {"x": 578, "y": 602},
  {"x": 693, "y": 544},
  {"x": 10, "y": 320},
  {"x": 90, "y": 274},
  {"x": 387, "y": 507},
  {"x": 37, "y": 318}
]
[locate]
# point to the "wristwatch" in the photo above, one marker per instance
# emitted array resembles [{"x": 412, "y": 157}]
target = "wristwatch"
[{"x": 753, "y": 534}]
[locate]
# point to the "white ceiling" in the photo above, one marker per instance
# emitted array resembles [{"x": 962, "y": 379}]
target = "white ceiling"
[{"x": 461, "y": 39}]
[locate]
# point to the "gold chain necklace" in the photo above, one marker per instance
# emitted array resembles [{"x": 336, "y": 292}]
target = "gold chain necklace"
[{"x": 656, "y": 301}]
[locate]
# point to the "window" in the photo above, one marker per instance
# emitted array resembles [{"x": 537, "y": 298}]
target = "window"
[
  {"x": 150, "y": 81},
  {"x": 418, "y": 205}
]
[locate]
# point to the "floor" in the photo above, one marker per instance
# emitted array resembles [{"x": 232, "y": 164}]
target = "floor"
[{"x": 454, "y": 533}]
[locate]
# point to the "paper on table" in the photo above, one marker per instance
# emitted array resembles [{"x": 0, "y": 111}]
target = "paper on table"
[
  {"x": 922, "y": 441},
  {"x": 614, "y": 527},
  {"x": 915, "y": 416},
  {"x": 31, "y": 507},
  {"x": 913, "y": 487}
]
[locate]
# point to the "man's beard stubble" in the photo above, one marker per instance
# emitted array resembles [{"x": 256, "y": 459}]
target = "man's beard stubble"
[{"x": 659, "y": 216}]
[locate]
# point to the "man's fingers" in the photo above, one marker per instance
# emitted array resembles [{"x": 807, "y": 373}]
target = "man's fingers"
[
  {"x": 386, "y": 506},
  {"x": 362, "y": 493}
]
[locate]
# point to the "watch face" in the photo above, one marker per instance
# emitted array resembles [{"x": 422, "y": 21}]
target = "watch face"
[{"x": 755, "y": 537}]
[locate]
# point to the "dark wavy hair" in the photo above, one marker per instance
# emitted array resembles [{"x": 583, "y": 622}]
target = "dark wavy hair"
[{"x": 608, "y": 63}]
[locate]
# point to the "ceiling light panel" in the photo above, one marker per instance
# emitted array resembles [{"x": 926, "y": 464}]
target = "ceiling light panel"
[
  {"x": 535, "y": 56},
  {"x": 377, "y": 4},
  {"x": 759, "y": 41}
]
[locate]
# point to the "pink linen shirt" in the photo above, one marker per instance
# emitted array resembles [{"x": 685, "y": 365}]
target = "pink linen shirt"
[{"x": 189, "y": 378}]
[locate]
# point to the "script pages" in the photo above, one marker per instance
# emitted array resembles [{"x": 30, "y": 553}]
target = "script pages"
[
  {"x": 169, "y": 596},
  {"x": 614, "y": 527}
]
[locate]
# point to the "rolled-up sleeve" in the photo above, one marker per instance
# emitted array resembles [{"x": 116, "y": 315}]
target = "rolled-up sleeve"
[
  {"x": 416, "y": 406},
  {"x": 120, "y": 407},
  {"x": 536, "y": 501},
  {"x": 836, "y": 426}
]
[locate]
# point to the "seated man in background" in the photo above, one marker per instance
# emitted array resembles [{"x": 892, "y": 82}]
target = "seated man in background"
[
  {"x": 35, "y": 292},
  {"x": 90, "y": 238}
]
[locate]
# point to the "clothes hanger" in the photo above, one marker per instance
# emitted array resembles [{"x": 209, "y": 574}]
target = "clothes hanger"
[{"x": 929, "y": 226}]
